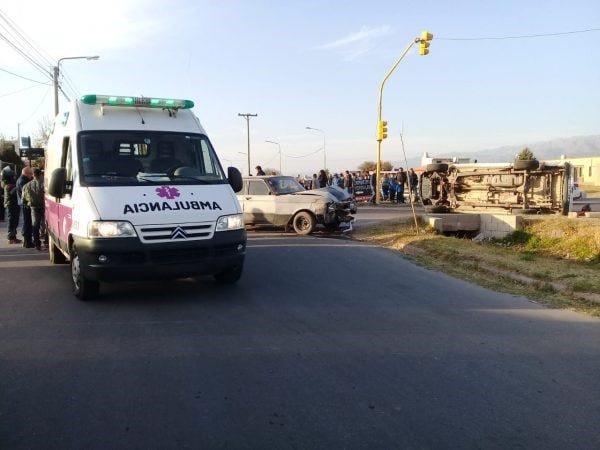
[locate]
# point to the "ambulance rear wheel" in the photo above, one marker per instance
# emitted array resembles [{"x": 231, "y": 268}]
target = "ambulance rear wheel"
[{"x": 83, "y": 288}]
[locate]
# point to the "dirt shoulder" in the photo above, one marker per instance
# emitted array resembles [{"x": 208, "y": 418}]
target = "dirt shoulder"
[{"x": 555, "y": 261}]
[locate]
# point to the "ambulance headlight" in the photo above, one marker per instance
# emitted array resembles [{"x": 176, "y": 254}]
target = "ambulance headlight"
[
  {"x": 106, "y": 229},
  {"x": 233, "y": 222}
]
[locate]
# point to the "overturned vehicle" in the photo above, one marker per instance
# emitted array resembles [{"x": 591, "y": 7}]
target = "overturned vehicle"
[
  {"x": 283, "y": 202},
  {"x": 525, "y": 187}
]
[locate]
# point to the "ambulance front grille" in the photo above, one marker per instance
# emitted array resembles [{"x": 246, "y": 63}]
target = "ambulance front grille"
[{"x": 175, "y": 232}]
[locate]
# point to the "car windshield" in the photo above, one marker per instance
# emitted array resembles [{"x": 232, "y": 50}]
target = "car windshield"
[
  {"x": 140, "y": 158},
  {"x": 284, "y": 185}
]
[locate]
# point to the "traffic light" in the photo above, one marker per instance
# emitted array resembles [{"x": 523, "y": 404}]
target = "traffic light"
[
  {"x": 381, "y": 130},
  {"x": 424, "y": 42}
]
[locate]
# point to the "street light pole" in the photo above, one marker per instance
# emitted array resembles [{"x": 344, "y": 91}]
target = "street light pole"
[
  {"x": 56, "y": 73},
  {"x": 247, "y": 117},
  {"x": 324, "y": 151},
  {"x": 279, "y": 146}
]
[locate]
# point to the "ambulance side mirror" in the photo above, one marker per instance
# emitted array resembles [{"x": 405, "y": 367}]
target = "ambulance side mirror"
[
  {"x": 58, "y": 183},
  {"x": 234, "y": 177}
]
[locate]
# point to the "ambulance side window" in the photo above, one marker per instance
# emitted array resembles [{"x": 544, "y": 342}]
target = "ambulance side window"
[
  {"x": 66, "y": 161},
  {"x": 208, "y": 163}
]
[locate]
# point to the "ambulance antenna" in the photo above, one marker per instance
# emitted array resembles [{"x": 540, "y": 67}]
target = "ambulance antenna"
[{"x": 140, "y": 114}]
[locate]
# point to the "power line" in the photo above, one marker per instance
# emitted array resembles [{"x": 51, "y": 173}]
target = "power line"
[
  {"x": 523, "y": 36},
  {"x": 21, "y": 90},
  {"x": 37, "y": 107},
  {"x": 21, "y": 76},
  {"x": 28, "y": 45},
  {"x": 32, "y": 61},
  {"x": 304, "y": 156},
  {"x": 25, "y": 38}
]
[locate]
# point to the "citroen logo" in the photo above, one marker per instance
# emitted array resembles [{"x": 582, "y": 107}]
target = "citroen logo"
[{"x": 178, "y": 233}]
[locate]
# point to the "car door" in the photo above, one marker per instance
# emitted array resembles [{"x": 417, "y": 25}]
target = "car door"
[{"x": 259, "y": 203}]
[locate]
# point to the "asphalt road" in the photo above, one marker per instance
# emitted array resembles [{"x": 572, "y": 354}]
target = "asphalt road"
[{"x": 324, "y": 343}]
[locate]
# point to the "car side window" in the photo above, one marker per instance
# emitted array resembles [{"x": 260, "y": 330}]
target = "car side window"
[{"x": 257, "y": 187}]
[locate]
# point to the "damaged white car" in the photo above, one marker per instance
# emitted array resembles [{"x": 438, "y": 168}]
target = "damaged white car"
[{"x": 282, "y": 201}]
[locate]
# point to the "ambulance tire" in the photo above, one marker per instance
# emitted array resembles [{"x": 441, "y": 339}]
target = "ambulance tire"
[
  {"x": 83, "y": 288},
  {"x": 55, "y": 255},
  {"x": 229, "y": 275}
]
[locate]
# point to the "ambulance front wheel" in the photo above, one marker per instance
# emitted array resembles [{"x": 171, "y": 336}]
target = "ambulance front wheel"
[
  {"x": 230, "y": 275},
  {"x": 83, "y": 288}
]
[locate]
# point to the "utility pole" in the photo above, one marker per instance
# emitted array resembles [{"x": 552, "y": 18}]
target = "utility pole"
[
  {"x": 56, "y": 72},
  {"x": 247, "y": 117},
  {"x": 55, "y": 83}
]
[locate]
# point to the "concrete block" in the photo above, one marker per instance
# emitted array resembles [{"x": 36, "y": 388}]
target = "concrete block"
[{"x": 435, "y": 223}]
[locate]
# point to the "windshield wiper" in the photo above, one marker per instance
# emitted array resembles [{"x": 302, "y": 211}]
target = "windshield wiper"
[
  {"x": 149, "y": 180},
  {"x": 184, "y": 177},
  {"x": 108, "y": 175}
]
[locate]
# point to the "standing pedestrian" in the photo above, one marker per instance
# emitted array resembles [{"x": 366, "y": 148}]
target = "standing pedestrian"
[
  {"x": 349, "y": 183},
  {"x": 26, "y": 229},
  {"x": 401, "y": 179},
  {"x": 385, "y": 188},
  {"x": 259, "y": 171},
  {"x": 413, "y": 180},
  {"x": 314, "y": 184},
  {"x": 392, "y": 182},
  {"x": 33, "y": 198},
  {"x": 322, "y": 179},
  {"x": 335, "y": 180},
  {"x": 373, "y": 183},
  {"x": 11, "y": 204}
]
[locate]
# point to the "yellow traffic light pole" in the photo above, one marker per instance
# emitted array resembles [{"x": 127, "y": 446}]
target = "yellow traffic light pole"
[{"x": 381, "y": 125}]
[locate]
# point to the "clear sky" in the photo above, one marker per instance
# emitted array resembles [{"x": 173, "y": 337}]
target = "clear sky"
[{"x": 319, "y": 64}]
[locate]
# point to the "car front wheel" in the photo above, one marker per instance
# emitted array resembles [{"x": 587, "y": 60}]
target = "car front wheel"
[{"x": 304, "y": 223}]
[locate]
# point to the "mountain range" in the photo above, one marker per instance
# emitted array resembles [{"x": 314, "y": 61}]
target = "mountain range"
[{"x": 570, "y": 147}]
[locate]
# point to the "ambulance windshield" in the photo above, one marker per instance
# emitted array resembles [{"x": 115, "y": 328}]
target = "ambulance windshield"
[{"x": 137, "y": 158}]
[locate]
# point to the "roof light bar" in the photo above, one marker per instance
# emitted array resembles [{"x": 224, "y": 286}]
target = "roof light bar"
[{"x": 143, "y": 102}]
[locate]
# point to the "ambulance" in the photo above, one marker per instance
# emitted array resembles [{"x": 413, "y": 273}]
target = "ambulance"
[{"x": 135, "y": 191}]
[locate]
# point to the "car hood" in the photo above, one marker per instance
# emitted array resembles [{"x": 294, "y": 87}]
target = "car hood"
[{"x": 322, "y": 192}]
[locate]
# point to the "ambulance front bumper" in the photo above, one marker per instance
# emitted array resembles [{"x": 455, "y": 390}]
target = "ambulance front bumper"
[{"x": 121, "y": 259}]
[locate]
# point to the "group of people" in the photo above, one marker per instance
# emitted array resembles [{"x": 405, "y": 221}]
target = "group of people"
[
  {"x": 25, "y": 195},
  {"x": 392, "y": 186},
  {"x": 341, "y": 180}
]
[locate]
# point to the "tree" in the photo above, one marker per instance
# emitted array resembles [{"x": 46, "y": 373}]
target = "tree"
[
  {"x": 369, "y": 166},
  {"x": 525, "y": 155},
  {"x": 44, "y": 130}
]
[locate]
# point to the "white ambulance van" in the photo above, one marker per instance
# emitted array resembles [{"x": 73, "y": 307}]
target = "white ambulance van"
[{"x": 135, "y": 191}]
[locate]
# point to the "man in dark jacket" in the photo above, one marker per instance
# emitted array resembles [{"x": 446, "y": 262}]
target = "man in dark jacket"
[
  {"x": 26, "y": 230},
  {"x": 11, "y": 204},
  {"x": 33, "y": 199}
]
